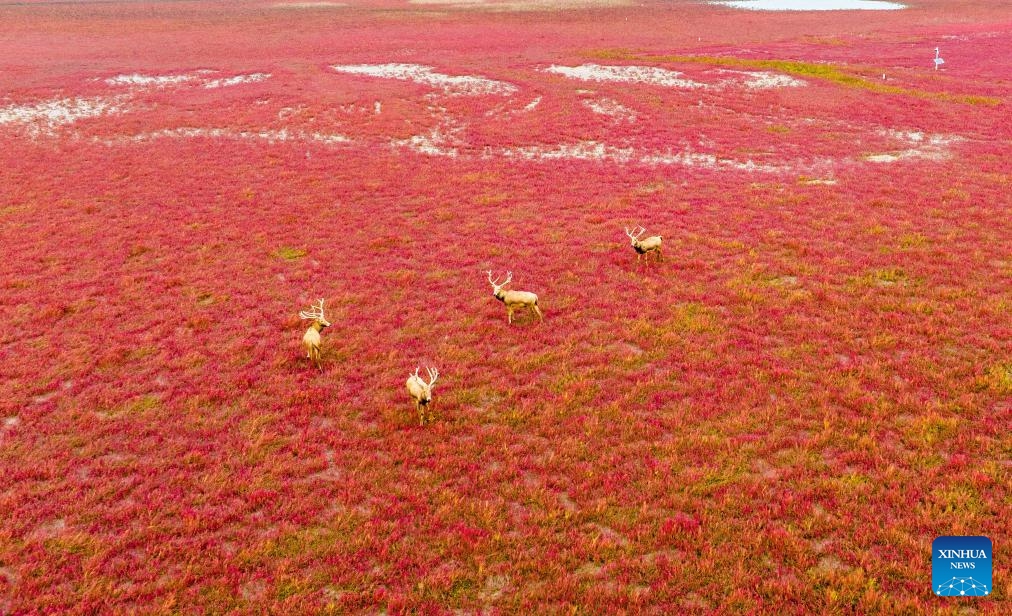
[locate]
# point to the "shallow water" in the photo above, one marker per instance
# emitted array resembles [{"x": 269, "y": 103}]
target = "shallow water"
[{"x": 812, "y": 5}]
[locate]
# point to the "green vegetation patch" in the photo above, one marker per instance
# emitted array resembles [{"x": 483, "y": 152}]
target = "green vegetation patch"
[
  {"x": 289, "y": 254},
  {"x": 811, "y": 70}
]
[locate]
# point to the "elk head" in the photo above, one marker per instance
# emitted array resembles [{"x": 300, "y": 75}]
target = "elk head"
[
  {"x": 497, "y": 286},
  {"x": 315, "y": 313}
]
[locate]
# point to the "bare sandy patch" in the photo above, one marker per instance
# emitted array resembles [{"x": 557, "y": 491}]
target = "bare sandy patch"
[
  {"x": 153, "y": 81},
  {"x": 452, "y": 85},
  {"x": 611, "y": 108},
  {"x": 43, "y": 118},
  {"x": 650, "y": 75},
  {"x": 238, "y": 80},
  {"x": 763, "y": 80},
  {"x": 268, "y": 135},
  {"x": 920, "y": 146},
  {"x": 435, "y": 143}
]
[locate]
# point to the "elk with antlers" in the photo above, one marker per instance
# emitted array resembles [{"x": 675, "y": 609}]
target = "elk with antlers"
[
  {"x": 421, "y": 392},
  {"x": 646, "y": 246},
  {"x": 514, "y": 300},
  {"x": 312, "y": 339}
]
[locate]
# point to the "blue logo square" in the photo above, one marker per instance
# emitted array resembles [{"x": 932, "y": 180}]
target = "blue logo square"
[{"x": 961, "y": 566}]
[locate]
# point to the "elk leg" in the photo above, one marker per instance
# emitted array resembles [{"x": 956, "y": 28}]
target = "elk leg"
[
  {"x": 509, "y": 316},
  {"x": 538, "y": 310}
]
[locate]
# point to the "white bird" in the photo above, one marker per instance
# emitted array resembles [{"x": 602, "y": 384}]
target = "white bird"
[{"x": 938, "y": 60}]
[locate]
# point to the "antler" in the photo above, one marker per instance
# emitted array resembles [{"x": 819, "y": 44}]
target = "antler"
[
  {"x": 315, "y": 312},
  {"x": 495, "y": 283},
  {"x": 433, "y": 375},
  {"x": 635, "y": 234}
]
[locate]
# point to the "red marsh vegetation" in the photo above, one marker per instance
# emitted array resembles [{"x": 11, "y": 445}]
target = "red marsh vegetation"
[{"x": 777, "y": 416}]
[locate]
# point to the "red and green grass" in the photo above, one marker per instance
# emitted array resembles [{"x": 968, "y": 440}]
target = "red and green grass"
[{"x": 779, "y": 417}]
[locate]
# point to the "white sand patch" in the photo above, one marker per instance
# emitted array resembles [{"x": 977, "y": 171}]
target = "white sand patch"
[
  {"x": 602, "y": 152},
  {"x": 268, "y": 136},
  {"x": 237, "y": 80},
  {"x": 762, "y": 80},
  {"x": 453, "y": 85},
  {"x": 812, "y": 5},
  {"x": 582, "y": 150},
  {"x": 531, "y": 106},
  {"x": 626, "y": 74},
  {"x": 924, "y": 147},
  {"x": 201, "y": 77},
  {"x": 688, "y": 158},
  {"x": 436, "y": 143},
  {"x": 611, "y": 108},
  {"x": 46, "y": 116},
  {"x": 152, "y": 81}
]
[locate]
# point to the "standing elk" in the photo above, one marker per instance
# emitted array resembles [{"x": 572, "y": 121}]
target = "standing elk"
[
  {"x": 514, "y": 300},
  {"x": 421, "y": 392},
  {"x": 312, "y": 339},
  {"x": 644, "y": 247}
]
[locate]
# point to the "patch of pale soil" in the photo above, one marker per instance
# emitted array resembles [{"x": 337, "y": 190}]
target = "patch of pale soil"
[
  {"x": 270, "y": 136},
  {"x": 582, "y": 150},
  {"x": 566, "y": 502},
  {"x": 436, "y": 143},
  {"x": 153, "y": 81},
  {"x": 611, "y": 108},
  {"x": 650, "y": 75},
  {"x": 831, "y": 564},
  {"x": 45, "y": 117},
  {"x": 237, "y": 80},
  {"x": 924, "y": 147},
  {"x": 494, "y": 587},
  {"x": 50, "y": 529},
  {"x": 609, "y": 534},
  {"x": 452, "y": 85},
  {"x": 763, "y": 80},
  {"x": 201, "y": 78}
]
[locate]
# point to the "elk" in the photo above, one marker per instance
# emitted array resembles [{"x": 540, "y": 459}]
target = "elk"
[
  {"x": 644, "y": 247},
  {"x": 312, "y": 339},
  {"x": 421, "y": 392},
  {"x": 514, "y": 300}
]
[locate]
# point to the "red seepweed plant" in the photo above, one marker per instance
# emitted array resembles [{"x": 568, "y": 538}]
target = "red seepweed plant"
[{"x": 778, "y": 417}]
